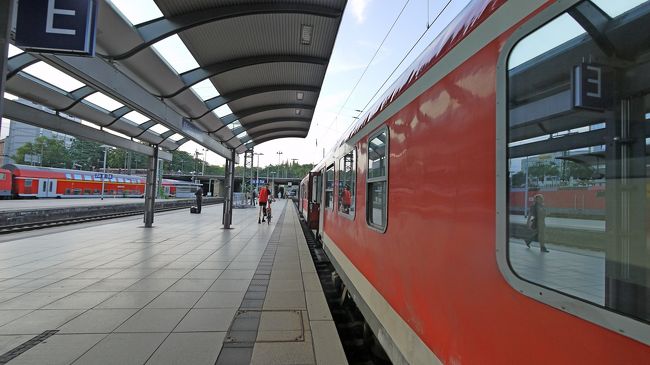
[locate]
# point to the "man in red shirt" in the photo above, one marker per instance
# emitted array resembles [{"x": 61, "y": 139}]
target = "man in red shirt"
[
  {"x": 346, "y": 199},
  {"x": 263, "y": 199}
]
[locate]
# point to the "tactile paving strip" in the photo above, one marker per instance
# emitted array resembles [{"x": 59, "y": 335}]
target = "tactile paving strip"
[{"x": 23, "y": 347}]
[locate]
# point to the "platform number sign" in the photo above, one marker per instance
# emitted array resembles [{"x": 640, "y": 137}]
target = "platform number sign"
[
  {"x": 57, "y": 26},
  {"x": 591, "y": 86}
]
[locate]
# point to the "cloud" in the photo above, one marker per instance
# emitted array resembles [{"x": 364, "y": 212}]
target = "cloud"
[{"x": 358, "y": 8}]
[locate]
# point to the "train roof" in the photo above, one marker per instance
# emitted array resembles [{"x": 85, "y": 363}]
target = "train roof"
[
  {"x": 467, "y": 20},
  {"x": 38, "y": 171}
]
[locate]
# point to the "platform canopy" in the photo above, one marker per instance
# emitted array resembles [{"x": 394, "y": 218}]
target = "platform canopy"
[{"x": 258, "y": 70}]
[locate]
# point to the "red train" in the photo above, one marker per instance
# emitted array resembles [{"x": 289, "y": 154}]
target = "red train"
[
  {"x": 45, "y": 182},
  {"x": 427, "y": 244}
]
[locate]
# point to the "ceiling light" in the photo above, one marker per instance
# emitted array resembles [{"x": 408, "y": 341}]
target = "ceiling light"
[
  {"x": 305, "y": 34},
  {"x": 298, "y": 111},
  {"x": 300, "y": 95}
]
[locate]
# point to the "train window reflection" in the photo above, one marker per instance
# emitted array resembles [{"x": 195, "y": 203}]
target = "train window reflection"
[
  {"x": 329, "y": 187},
  {"x": 376, "y": 203},
  {"x": 579, "y": 193},
  {"x": 347, "y": 183}
]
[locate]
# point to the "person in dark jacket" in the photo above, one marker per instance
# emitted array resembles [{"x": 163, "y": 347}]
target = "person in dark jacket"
[
  {"x": 199, "y": 199},
  {"x": 537, "y": 223}
]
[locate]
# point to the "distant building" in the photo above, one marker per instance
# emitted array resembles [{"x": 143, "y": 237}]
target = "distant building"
[{"x": 2, "y": 153}]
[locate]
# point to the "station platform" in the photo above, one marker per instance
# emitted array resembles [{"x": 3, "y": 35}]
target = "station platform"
[
  {"x": 184, "y": 292},
  {"x": 33, "y": 204}
]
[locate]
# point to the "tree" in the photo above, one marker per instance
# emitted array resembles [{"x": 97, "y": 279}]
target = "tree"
[
  {"x": 51, "y": 152},
  {"x": 86, "y": 155}
]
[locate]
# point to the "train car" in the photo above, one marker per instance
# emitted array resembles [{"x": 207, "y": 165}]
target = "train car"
[
  {"x": 424, "y": 241},
  {"x": 310, "y": 198},
  {"x": 47, "y": 182},
  {"x": 5, "y": 183}
]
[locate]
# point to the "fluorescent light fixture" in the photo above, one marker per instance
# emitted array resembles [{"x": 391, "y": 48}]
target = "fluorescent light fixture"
[
  {"x": 173, "y": 50},
  {"x": 234, "y": 125},
  {"x": 242, "y": 135},
  {"x": 159, "y": 128},
  {"x": 103, "y": 101},
  {"x": 176, "y": 137},
  {"x": 139, "y": 11},
  {"x": 298, "y": 111},
  {"x": 13, "y": 50},
  {"x": 116, "y": 133},
  {"x": 136, "y": 117},
  {"x": 9, "y": 96},
  {"x": 205, "y": 90},
  {"x": 89, "y": 124},
  {"x": 305, "y": 34},
  {"x": 223, "y": 110},
  {"x": 53, "y": 76},
  {"x": 300, "y": 95}
]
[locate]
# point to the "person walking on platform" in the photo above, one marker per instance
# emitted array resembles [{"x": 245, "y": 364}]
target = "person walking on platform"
[
  {"x": 536, "y": 222},
  {"x": 263, "y": 198},
  {"x": 199, "y": 199}
]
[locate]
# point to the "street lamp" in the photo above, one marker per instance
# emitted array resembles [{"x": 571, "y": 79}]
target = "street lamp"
[
  {"x": 106, "y": 147},
  {"x": 257, "y": 173}
]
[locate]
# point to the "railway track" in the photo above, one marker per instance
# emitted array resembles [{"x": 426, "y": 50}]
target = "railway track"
[{"x": 19, "y": 227}]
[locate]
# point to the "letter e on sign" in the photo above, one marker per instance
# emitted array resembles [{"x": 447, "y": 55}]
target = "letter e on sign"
[
  {"x": 57, "y": 26},
  {"x": 590, "y": 86}
]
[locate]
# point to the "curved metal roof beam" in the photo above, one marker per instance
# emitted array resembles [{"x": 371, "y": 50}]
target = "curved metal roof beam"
[
  {"x": 161, "y": 28},
  {"x": 260, "y": 123},
  {"x": 78, "y": 95},
  {"x": 281, "y": 131},
  {"x": 270, "y": 138},
  {"x": 193, "y": 77},
  {"x": 220, "y": 100},
  {"x": 231, "y": 118},
  {"x": 18, "y": 62}
]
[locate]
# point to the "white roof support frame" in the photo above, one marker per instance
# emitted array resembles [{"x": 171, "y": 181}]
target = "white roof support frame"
[
  {"x": 106, "y": 78},
  {"x": 16, "y": 111}
]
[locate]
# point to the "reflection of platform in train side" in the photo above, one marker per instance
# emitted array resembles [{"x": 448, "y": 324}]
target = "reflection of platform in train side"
[
  {"x": 573, "y": 271},
  {"x": 568, "y": 232}
]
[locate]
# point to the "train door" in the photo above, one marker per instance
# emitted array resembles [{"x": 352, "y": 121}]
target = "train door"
[
  {"x": 46, "y": 188},
  {"x": 315, "y": 189}
]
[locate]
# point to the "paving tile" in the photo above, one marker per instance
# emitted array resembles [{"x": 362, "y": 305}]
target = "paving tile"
[
  {"x": 203, "y": 274},
  {"x": 9, "y": 342},
  {"x": 284, "y": 353},
  {"x": 39, "y": 321},
  {"x": 110, "y": 285},
  {"x": 122, "y": 349},
  {"x": 285, "y": 285},
  {"x": 151, "y": 285},
  {"x": 170, "y": 299},
  {"x": 97, "y": 321},
  {"x": 207, "y": 320},
  {"x": 200, "y": 285},
  {"x": 153, "y": 320},
  {"x": 169, "y": 274},
  {"x": 229, "y": 285},
  {"x": 128, "y": 300},
  {"x": 58, "y": 350},
  {"x": 327, "y": 344},
  {"x": 237, "y": 274},
  {"x": 235, "y": 356},
  {"x": 7, "y": 316},
  {"x": 317, "y": 306},
  {"x": 220, "y": 300},
  {"x": 189, "y": 348},
  {"x": 33, "y": 300},
  {"x": 285, "y": 300},
  {"x": 80, "y": 300},
  {"x": 280, "y": 326}
]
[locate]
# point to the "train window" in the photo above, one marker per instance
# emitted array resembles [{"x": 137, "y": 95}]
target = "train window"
[
  {"x": 329, "y": 187},
  {"x": 578, "y": 190},
  {"x": 77, "y": 177},
  {"x": 68, "y": 176},
  {"x": 87, "y": 191},
  {"x": 119, "y": 179},
  {"x": 377, "y": 180},
  {"x": 88, "y": 178},
  {"x": 3, "y": 176},
  {"x": 28, "y": 183},
  {"x": 347, "y": 183}
]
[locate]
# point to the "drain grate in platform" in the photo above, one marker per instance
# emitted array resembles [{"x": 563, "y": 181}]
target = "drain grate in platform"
[{"x": 23, "y": 347}]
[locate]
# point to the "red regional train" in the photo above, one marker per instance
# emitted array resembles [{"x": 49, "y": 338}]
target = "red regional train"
[
  {"x": 25, "y": 181},
  {"x": 427, "y": 245}
]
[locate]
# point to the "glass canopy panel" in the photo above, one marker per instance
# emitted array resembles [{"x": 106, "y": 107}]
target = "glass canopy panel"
[
  {"x": 139, "y": 11},
  {"x": 173, "y": 50},
  {"x": 242, "y": 135},
  {"x": 103, "y": 101},
  {"x": 89, "y": 124},
  {"x": 176, "y": 137},
  {"x": 618, "y": 7},
  {"x": 223, "y": 110},
  {"x": 13, "y": 50},
  {"x": 53, "y": 76},
  {"x": 136, "y": 117},
  {"x": 159, "y": 128},
  {"x": 205, "y": 90},
  {"x": 234, "y": 125}
]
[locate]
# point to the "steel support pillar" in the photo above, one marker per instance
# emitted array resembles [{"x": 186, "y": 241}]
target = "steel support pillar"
[
  {"x": 6, "y": 14},
  {"x": 230, "y": 184},
  {"x": 150, "y": 189}
]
